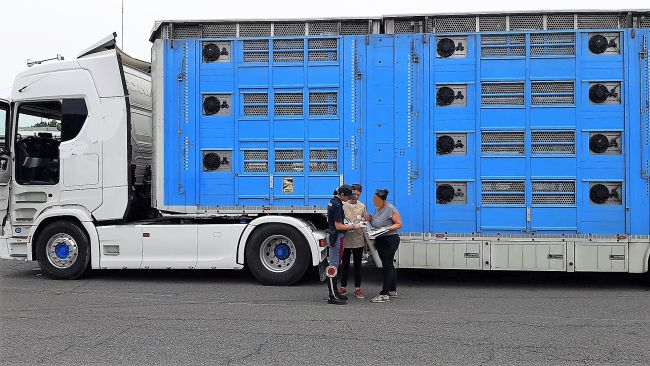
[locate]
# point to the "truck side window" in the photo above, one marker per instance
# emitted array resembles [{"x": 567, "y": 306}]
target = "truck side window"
[
  {"x": 74, "y": 116},
  {"x": 37, "y": 143}
]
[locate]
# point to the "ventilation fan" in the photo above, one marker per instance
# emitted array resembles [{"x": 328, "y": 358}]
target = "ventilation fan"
[
  {"x": 600, "y": 143},
  {"x": 451, "y": 193},
  {"x": 212, "y": 105},
  {"x": 605, "y": 193},
  {"x": 213, "y": 52},
  {"x": 446, "y": 144},
  {"x": 451, "y": 95},
  {"x": 452, "y": 47},
  {"x": 216, "y": 160},
  {"x": 600, "y": 93},
  {"x": 607, "y": 43}
]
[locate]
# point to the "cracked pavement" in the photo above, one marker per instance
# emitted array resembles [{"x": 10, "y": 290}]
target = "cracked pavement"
[{"x": 225, "y": 317}]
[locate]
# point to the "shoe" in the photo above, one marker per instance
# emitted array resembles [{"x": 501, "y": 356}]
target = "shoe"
[
  {"x": 359, "y": 294},
  {"x": 336, "y": 301},
  {"x": 343, "y": 297},
  {"x": 381, "y": 298},
  {"x": 392, "y": 293},
  {"x": 342, "y": 291}
]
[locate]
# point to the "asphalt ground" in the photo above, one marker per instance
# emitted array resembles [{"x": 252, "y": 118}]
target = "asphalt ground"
[{"x": 226, "y": 317}]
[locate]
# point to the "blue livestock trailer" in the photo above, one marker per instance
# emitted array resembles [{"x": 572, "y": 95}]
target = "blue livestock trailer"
[{"x": 507, "y": 141}]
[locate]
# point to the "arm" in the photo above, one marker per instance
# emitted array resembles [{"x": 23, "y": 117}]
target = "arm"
[
  {"x": 341, "y": 227},
  {"x": 397, "y": 222}
]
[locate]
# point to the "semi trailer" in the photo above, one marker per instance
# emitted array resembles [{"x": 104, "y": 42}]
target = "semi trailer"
[{"x": 508, "y": 142}]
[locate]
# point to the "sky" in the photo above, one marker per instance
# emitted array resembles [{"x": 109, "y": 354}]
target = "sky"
[{"x": 40, "y": 29}]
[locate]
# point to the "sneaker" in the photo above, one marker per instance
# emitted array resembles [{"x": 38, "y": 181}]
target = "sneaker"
[
  {"x": 381, "y": 298},
  {"x": 392, "y": 293},
  {"x": 342, "y": 293},
  {"x": 359, "y": 294},
  {"x": 336, "y": 301}
]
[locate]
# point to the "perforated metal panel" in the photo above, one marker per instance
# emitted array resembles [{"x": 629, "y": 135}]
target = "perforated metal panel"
[
  {"x": 182, "y": 31},
  {"x": 527, "y": 22},
  {"x": 288, "y": 98},
  {"x": 215, "y": 30},
  {"x": 552, "y": 44},
  {"x": 288, "y": 44},
  {"x": 355, "y": 28},
  {"x": 503, "y": 192},
  {"x": 598, "y": 21},
  {"x": 322, "y": 50},
  {"x": 455, "y": 25},
  {"x": 503, "y": 45},
  {"x": 492, "y": 23},
  {"x": 645, "y": 22},
  {"x": 289, "y": 29},
  {"x": 256, "y": 98},
  {"x": 560, "y": 21},
  {"x": 552, "y": 92},
  {"x": 503, "y": 185},
  {"x": 554, "y": 192},
  {"x": 323, "y": 160},
  {"x": 407, "y": 26},
  {"x": 323, "y": 28},
  {"x": 495, "y": 94},
  {"x": 255, "y": 29},
  {"x": 292, "y": 56},
  {"x": 256, "y": 51},
  {"x": 502, "y": 142},
  {"x": 256, "y": 161},
  {"x": 323, "y": 104},
  {"x": 289, "y": 161},
  {"x": 553, "y": 142}
]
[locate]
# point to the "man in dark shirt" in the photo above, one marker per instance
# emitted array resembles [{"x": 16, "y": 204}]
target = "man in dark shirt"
[{"x": 335, "y": 233}]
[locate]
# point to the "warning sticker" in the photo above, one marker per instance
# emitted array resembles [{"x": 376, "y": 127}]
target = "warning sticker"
[{"x": 287, "y": 185}]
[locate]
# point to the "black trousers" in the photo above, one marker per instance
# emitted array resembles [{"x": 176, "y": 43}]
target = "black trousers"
[
  {"x": 345, "y": 266},
  {"x": 386, "y": 248}
]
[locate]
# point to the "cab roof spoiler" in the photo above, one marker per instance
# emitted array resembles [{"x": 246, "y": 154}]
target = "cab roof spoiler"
[{"x": 110, "y": 43}]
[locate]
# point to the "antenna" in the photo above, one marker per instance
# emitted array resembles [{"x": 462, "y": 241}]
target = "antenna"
[{"x": 122, "y": 40}]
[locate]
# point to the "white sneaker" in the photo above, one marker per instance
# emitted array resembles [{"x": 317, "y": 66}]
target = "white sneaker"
[
  {"x": 392, "y": 293},
  {"x": 381, "y": 298}
]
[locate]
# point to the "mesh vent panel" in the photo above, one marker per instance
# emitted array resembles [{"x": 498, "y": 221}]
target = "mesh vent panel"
[
  {"x": 256, "y": 155},
  {"x": 503, "y": 199},
  {"x": 256, "y": 98},
  {"x": 526, "y": 22},
  {"x": 256, "y": 167},
  {"x": 256, "y": 110},
  {"x": 560, "y": 21},
  {"x": 322, "y": 43},
  {"x": 502, "y": 88},
  {"x": 288, "y": 155},
  {"x": 321, "y": 28},
  {"x": 288, "y": 56},
  {"x": 355, "y": 28},
  {"x": 289, "y": 29},
  {"x": 219, "y": 30},
  {"x": 288, "y": 44},
  {"x": 323, "y": 154},
  {"x": 498, "y": 137},
  {"x": 597, "y": 21},
  {"x": 492, "y": 24},
  {"x": 256, "y": 57},
  {"x": 502, "y": 186},
  {"x": 255, "y": 29},
  {"x": 288, "y": 98},
  {"x": 256, "y": 45},
  {"x": 288, "y": 110},
  {"x": 554, "y": 186},
  {"x": 552, "y": 136},
  {"x": 455, "y": 24}
]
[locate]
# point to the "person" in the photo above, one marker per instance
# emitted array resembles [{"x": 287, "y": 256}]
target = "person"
[
  {"x": 335, "y": 235},
  {"x": 387, "y": 216},
  {"x": 353, "y": 243}
]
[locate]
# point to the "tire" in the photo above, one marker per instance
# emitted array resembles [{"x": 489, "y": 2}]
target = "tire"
[
  {"x": 277, "y": 255},
  {"x": 63, "y": 250}
]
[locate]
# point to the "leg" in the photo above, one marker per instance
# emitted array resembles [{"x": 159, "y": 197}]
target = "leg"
[
  {"x": 356, "y": 255},
  {"x": 394, "y": 245},
  {"x": 334, "y": 259},
  {"x": 381, "y": 244},
  {"x": 345, "y": 266}
]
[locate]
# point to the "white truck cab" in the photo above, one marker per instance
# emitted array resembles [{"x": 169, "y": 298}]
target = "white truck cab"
[{"x": 75, "y": 183}]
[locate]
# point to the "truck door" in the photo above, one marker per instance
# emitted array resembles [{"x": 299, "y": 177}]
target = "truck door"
[{"x": 5, "y": 159}]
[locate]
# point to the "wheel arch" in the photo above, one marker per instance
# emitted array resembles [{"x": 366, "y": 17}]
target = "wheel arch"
[
  {"x": 76, "y": 214},
  {"x": 303, "y": 227}
]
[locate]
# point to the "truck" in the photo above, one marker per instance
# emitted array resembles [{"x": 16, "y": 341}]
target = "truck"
[{"x": 507, "y": 141}]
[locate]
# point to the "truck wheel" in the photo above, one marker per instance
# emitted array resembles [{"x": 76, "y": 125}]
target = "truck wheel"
[
  {"x": 63, "y": 250},
  {"x": 277, "y": 255}
]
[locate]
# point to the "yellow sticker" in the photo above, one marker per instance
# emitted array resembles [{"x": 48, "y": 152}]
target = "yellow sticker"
[{"x": 287, "y": 185}]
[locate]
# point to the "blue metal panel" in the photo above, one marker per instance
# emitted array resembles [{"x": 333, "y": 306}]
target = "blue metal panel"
[{"x": 308, "y": 112}]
